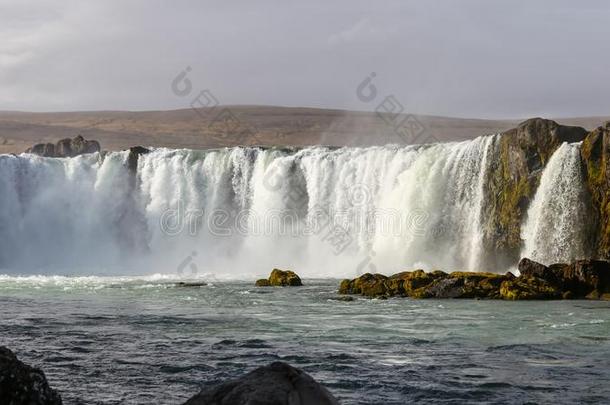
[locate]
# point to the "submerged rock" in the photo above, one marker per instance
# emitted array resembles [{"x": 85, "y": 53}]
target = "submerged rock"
[
  {"x": 581, "y": 279},
  {"x": 191, "y": 284},
  {"x": 280, "y": 278},
  {"x": 22, "y": 384},
  {"x": 65, "y": 147},
  {"x": 275, "y": 384}
]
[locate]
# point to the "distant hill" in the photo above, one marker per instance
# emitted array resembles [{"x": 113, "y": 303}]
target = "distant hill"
[{"x": 250, "y": 125}]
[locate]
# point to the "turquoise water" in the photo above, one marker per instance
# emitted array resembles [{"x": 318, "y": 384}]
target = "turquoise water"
[{"x": 137, "y": 340}]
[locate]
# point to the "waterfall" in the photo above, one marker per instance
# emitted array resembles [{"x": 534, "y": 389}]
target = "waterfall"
[
  {"x": 61, "y": 212},
  {"x": 557, "y": 221},
  {"x": 241, "y": 211}
]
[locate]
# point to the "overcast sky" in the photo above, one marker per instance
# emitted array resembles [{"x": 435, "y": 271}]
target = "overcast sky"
[{"x": 497, "y": 59}]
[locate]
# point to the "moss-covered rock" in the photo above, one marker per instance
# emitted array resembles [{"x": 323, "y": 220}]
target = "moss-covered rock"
[
  {"x": 521, "y": 155},
  {"x": 263, "y": 282},
  {"x": 369, "y": 285},
  {"x": 462, "y": 285},
  {"x": 529, "y": 288},
  {"x": 581, "y": 279},
  {"x": 595, "y": 154},
  {"x": 284, "y": 278},
  {"x": 419, "y": 284},
  {"x": 280, "y": 278},
  {"x": 420, "y": 279}
]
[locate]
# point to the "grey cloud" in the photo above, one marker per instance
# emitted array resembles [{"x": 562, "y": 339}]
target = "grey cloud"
[{"x": 460, "y": 58}]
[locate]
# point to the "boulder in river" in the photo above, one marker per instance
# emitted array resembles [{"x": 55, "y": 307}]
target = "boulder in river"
[
  {"x": 275, "y": 384},
  {"x": 280, "y": 278},
  {"x": 529, "y": 288},
  {"x": 419, "y": 284},
  {"x": 581, "y": 279},
  {"x": 23, "y": 384},
  {"x": 263, "y": 282}
]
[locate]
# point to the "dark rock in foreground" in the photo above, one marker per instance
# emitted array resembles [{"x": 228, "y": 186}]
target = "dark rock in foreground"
[
  {"x": 65, "y": 148},
  {"x": 276, "y": 384},
  {"x": 582, "y": 279},
  {"x": 280, "y": 278},
  {"x": 21, "y": 384}
]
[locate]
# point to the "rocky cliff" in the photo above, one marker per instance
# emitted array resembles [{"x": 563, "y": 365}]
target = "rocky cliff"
[
  {"x": 521, "y": 155},
  {"x": 595, "y": 154}
]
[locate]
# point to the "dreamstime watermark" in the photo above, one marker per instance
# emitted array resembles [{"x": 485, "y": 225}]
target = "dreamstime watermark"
[
  {"x": 218, "y": 295},
  {"x": 178, "y": 220},
  {"x": 221, "y": 119},
  {"x": 338, "y": 228},
  {"x": 392, "y": 113}
]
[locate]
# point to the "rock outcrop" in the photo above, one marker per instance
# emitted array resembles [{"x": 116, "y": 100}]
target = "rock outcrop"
[
  {"x": 275, "y": 384},
  {"x": 595, "y": 153},
  {"x": 280, "y": 278},
  {"x": 22, "y": 384},
  {"x": 582, "y": 279},
  {"x": 522, "y": 154},
  {"x": 65, "y": 148},
  {"x": 134, "y": 155},
  {"x": 419, "y": 284},
  {"x": 263, "y": 282}
]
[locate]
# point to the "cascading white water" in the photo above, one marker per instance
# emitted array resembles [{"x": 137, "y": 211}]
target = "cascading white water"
[
  {"x": 556, "y": 227},
  {"x": 241, "y": 211},
  {"x": 61, "y": 212}
]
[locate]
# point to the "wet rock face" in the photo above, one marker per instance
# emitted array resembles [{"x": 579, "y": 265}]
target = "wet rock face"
[
  {"x": 529, "y": 288},
  {"x": 263, "y": 282},
  {"x": 276, "y": 384},
  {"x": 280, "y": 278},
  {"x": 521, "y": 155},
  {"x": 134, "y": 155},
  {"x": 581, "y": 279},
  {"x": 65, "y": 148},
  {"x": 368, "y": 285},
  {"x": 22, "y": 384},
  {"x": 419, "y": 284},
  {"x": 595, "y": 153}
]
